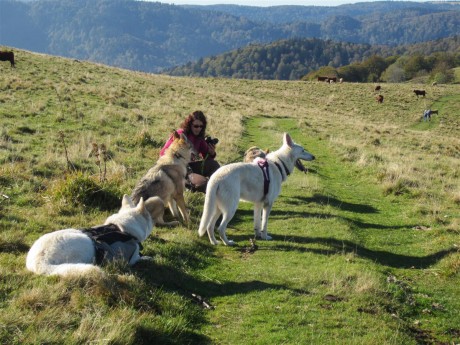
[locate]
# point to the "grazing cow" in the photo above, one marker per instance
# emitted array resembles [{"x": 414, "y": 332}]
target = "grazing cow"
[
  {"x": 332, "y": 79},
  {"x": 377, "y": 88},
  {"x": 420, "y": 93},
  {"x": 379, "y": 98},
  {"x": 7, "y": 56},
  {"x": 326, "y": 79}
]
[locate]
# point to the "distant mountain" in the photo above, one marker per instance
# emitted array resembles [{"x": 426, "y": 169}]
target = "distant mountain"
[
  {"x": 317, "y": 14},
  {"x": 151, "y": 36},
  {"x": 137, "y": 35}
]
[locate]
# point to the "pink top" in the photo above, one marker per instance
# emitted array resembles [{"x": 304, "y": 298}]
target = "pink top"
[{"x": 200, "y": 145}]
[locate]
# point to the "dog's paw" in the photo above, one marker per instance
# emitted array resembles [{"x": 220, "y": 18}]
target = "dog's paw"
[
  {"x": 230, "y": 243},
  {"x": 145, "y": 258},
  {"x": 262, "y": 237}
]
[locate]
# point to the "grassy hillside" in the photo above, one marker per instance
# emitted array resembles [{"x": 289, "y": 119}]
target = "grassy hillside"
[{"x": 365, "y": 247}]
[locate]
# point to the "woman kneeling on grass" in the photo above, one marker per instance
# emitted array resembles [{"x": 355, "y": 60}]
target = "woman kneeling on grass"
[{"x": 194, "y": 127}]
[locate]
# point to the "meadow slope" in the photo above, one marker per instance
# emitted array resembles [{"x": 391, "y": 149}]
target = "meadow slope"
[{"x": 365, "y": 245}]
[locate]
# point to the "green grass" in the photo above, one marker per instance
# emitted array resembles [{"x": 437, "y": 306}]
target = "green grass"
[{"x": 365, "y": 245}]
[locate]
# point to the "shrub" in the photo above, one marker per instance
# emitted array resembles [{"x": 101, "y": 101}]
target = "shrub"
[
  {"x": 81, "y": 190},
  {"x": 398, "y": 186}
]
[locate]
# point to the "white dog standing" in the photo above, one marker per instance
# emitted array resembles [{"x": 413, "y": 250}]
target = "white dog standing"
[
  {"x": 73, "y": 251},
  {"x": 246, "y": 181}
]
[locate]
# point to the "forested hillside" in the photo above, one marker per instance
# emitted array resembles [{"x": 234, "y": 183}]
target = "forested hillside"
[
  {"x": 137, "y": 35},
  {"x": 285, "y": 59},
  {"x": 294, "y": 58},
  {"x": 151, "y": 36}
]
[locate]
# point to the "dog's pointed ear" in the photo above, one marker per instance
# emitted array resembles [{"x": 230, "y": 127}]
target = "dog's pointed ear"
[
  {"x": 287, "y": 140},
  {"x": 184, "y": 137},
  {"x": 126, "y": 201},
  {"x": 140, "y": 205}
]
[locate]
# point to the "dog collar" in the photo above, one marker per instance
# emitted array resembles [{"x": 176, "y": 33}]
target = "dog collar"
[
  {"x": 178, "y": 156},
  {"x": 286, "y": 170}
]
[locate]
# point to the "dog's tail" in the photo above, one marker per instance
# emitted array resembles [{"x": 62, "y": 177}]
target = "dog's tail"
[
  {"x": 141, "y": 190},
  {"x": 209, "y": 206},
  {"x": 77, "y": 269},
  {"x": 138, "y": 192}
]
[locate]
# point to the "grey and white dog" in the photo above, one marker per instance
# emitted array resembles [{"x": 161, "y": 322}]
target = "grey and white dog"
[{"x": 74, "y": 252}]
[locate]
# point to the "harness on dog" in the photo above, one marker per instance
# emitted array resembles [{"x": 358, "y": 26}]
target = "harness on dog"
[
  {"x": 263, "y": 164},
  {"x": 111, "y": 243}
]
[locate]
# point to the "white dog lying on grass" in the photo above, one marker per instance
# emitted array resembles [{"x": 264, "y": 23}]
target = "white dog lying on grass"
[{"x": 77, "y": 252}]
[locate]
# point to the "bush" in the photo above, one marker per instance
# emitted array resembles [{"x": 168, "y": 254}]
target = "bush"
[
  {"x": 81, "y": 190},
  {"x": 443, "y": 77}
]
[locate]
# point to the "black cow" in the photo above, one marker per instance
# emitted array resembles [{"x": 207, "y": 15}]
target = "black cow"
[
  {"x": 420, "y": 93},
  {"x": 7, "y": 56}
]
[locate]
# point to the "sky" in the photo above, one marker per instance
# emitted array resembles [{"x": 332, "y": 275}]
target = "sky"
[{"x": 265, "y": 3}]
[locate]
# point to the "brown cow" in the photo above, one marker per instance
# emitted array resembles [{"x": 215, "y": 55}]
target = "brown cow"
[
  {"x": 379, "y": 98},
  {"x": 7, "y": 56},
  {"x": 377, "y": 88},
  {"x": 326, "y": 79},
  {"x": 420, "y": 93}
]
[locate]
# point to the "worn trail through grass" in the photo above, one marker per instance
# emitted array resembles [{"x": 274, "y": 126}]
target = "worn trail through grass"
[{"x": 333, "y": 233}]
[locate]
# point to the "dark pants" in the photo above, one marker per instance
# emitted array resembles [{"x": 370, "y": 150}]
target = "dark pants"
[{"x": 205, "y": 168}]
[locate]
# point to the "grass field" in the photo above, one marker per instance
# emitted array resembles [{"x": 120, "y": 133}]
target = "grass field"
[{"x": 365, "y": 245}]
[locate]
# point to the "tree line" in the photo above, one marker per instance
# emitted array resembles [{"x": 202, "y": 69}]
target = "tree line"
[
  {"x": 437, "y": 67},
  {"x": 308, "y": 58}
]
